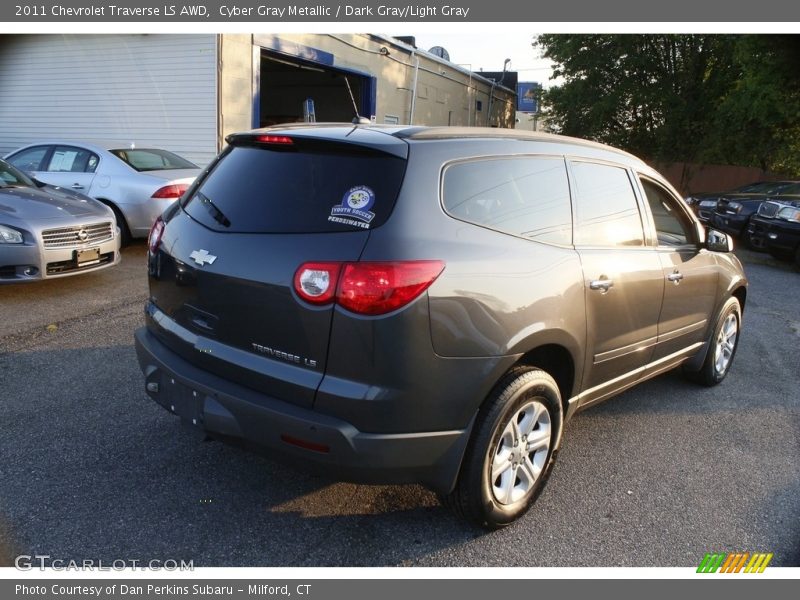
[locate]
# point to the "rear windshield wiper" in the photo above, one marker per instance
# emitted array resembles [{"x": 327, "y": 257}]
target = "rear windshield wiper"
[{"x": 212, "y": 209}]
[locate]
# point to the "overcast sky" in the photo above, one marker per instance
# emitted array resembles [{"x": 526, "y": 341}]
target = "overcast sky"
[{"x": 487, "y": 51}]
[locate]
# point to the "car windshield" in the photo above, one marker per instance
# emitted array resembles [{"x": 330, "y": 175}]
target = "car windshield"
[
  {"x": 151, "y": 159},
  {"x": 791, "y": 189},
  {"x": 11, "y": 177},
  {"x": 766, "y": 187},
  {"x": 759, "y": 186},
  {"x": 264, "y": 190}
]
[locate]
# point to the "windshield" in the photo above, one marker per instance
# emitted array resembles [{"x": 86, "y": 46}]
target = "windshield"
[
  {"x": 753, "y": 187},
  {"x": 11, "y": 177},
  {"x": 791, "y": 189},
  {"x": 766, "y": 187},
  {"x": 329, "y": 189},
  {"x": 151, "y": 159}
]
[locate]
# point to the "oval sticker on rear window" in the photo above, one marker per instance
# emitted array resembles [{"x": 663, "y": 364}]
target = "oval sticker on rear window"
[{"x": 355, "y": 207}]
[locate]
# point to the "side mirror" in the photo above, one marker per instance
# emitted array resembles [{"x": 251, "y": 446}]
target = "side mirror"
[{"x": 719, "y": 242}]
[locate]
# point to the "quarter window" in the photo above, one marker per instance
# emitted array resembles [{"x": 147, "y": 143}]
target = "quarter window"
[
  {"x": 526, "y": 197},
  {"x": 606, "y": 210}
]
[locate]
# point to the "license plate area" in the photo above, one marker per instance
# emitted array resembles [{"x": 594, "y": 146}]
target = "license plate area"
[
  {"x": 89, "y": 256},
  {"x": 187, "y": 404}
]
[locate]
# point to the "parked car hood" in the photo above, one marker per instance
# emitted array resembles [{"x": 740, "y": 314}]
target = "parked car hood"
[{"x": 47, "y": 202}]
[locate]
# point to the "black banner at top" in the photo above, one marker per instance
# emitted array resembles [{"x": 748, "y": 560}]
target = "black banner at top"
[{"x": 457, "y": 11}]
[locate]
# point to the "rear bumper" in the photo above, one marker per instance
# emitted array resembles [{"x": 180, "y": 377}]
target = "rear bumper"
[{"x": 215, "y": 405}]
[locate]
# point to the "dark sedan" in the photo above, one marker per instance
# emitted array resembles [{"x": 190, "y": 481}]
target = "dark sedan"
[
  {"x": 735, "y": 207},
  {"x": 778, "y": 234},
  {"x": 732, "y": 215}
]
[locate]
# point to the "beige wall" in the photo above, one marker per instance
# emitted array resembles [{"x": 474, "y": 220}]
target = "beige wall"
[
  {"x": 235, "y": 77},
  {"x": 531, "y": 122},
  {"x": 445, "y": 95}
]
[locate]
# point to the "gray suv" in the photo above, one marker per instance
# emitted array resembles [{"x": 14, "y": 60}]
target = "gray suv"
[{"x": 431, "y": 305}]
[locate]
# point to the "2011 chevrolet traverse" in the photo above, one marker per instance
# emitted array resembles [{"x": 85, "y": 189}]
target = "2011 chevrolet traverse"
[{"x": 410, "y": 304}]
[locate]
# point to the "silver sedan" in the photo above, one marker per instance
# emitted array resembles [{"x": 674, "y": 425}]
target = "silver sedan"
[
  {"x": 137, "y": 183},
  {"x": 47, "y": 231}
]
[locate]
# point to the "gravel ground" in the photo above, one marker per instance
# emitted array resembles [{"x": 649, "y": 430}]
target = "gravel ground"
[{"x": 91, "y": 468}]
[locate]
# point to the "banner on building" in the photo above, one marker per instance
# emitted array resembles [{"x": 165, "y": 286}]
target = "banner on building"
[{"x": 528, "y": 96}]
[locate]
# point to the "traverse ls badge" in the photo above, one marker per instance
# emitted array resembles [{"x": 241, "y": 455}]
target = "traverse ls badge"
[{"x": 201, "y": 257}]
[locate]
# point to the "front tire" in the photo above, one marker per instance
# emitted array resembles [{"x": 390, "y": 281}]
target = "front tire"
[
  {"x": 722, "y": 345},
  {"x": 512, "y": 450}
]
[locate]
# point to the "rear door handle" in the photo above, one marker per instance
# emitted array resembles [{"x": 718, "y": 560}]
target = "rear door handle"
[
  {"x": 675, "y": 277},
  {"x": 77, "y": 186},
  {"x": 601, "y": 284}
]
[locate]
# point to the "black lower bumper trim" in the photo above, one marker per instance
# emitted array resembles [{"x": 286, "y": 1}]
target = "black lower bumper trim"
[{"x": 215, "y": 405}]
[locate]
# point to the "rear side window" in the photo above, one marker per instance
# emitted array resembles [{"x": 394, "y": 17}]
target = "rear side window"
[
  {"x": 68, "y": 159},
  {"x": 312, "y": 190},
  {"x": 607, "y": 213},
  {"x": 526, "y": 196}
]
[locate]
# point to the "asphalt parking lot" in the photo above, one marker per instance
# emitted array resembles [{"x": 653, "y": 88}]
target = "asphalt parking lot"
[{"x": 91, "y": 468}]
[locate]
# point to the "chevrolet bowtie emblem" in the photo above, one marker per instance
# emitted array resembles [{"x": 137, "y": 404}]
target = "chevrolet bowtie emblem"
[{"x": 202, "y": 257}]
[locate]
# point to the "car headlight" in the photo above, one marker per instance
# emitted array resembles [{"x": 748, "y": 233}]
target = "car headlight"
[
  {"x": 708, "y": 203},
  {"x": 735, "y": 206},
  {"x": 9, "y": 235}
]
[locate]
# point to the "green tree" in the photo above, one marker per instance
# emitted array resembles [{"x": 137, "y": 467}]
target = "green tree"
[
  {"x": 679, "y": 97},
  {"x": 758, "y": 121}
]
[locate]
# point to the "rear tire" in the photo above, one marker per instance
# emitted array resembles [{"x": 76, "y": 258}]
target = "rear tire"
[
  {"x": 721, "y": 347},
  {"x": 512, "y": 450}
]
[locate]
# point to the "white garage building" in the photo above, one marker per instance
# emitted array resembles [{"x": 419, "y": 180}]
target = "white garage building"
[{"x": 186, "y": 92}]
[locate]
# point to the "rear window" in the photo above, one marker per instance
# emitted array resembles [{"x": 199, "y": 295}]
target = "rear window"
[
  {"x": 153, "y": 160},
  {"x": 313, "y": 190}
]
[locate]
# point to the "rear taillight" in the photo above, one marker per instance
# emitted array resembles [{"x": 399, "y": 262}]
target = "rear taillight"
[
  {"x": 366, "y": 288},
  {"x": 375, "y": 288},
  {"x": 154, "y": 238},
  {"x": 172, "y": 191},
  {"x": 315, "y": 282}
]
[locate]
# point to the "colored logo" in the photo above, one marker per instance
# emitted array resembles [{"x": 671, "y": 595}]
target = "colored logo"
[
  {"x": 354, "y": 209},
  {"x": 735, "y": 562},
  {"x": 359, "y": 198}
]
